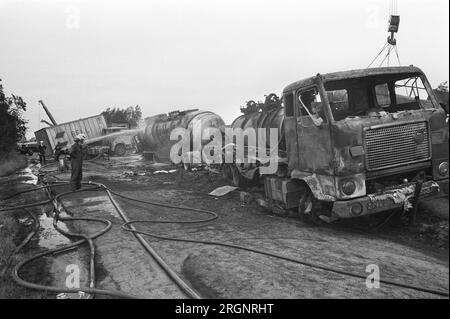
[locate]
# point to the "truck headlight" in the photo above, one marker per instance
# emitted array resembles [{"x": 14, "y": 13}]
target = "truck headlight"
[
  {"x": 348, "y": 187},
  {"x": 443, "y": 168}
]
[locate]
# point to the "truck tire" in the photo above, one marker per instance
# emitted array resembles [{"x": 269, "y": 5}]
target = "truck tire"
[
  {"x": 310, "y": 208},
  {"x": 120, "y": 150}
]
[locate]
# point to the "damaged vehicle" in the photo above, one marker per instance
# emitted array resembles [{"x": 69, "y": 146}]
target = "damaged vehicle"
[{"x": 359, "y": 142}]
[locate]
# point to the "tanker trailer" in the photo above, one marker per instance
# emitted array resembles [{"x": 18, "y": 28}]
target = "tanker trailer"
[
  {"x": 155, "y": 136},
  {"x": 267, "y": 115}
]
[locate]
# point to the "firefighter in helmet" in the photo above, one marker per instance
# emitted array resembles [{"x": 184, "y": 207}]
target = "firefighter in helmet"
[{"x": 76, "y": 161}]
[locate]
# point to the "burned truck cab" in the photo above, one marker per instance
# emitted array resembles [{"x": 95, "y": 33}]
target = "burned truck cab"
[{"x": 359, "y": 142}]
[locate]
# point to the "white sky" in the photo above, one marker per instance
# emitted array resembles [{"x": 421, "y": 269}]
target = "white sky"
[{"x": 81, "y": 57}]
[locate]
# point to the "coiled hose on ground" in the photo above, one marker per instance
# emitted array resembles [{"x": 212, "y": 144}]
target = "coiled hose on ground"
[
  {"x": 129, "y": 226},
  {"x": 82, "y": 239}
]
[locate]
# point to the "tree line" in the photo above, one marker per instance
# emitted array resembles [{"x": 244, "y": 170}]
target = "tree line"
[
  {"x": 12, "y": 123},
  {"x": 130, "y": 116}
]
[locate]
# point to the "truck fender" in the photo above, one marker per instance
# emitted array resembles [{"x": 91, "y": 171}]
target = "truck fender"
[{"x": 314, "y": 184}]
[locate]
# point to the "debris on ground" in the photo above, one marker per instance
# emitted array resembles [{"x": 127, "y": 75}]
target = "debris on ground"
[
  {"x": 222, "y": 191},
  {"x": 246, "y": 198},
  {"x": 127, "y": 173},
  {"x": 79, "y": 295},
  {"x": 161, "y": 172},
  {"x": 165, "y": 172},
  {"x": 262, "y": 203}
]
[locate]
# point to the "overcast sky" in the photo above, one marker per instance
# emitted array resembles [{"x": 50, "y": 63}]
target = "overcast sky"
[{"x": 81, "y": 57}]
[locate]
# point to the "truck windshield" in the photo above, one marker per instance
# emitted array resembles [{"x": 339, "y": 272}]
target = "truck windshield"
[{"x": 373, "y": 96}]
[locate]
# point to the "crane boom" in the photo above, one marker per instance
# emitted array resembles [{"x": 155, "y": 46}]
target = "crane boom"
[{"x": 50, "y": 116}]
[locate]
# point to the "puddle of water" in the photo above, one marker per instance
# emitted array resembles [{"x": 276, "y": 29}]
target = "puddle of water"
[
  {"x": 27, "y": 177},
  {"x": 48, "y": 236},
  {"x": 93, "y": 204}
]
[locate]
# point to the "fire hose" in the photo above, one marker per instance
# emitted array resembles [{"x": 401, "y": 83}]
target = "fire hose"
[
  {"x": 84, "y": 238},
  {"x": 129, "y": 226}
]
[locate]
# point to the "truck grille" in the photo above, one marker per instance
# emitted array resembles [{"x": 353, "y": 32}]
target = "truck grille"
[{"x": 397, "y": 145}]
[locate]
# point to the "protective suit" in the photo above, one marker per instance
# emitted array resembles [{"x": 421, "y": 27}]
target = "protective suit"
[
  {"x": 41, "y": 149},
  {"x": 76, "y": 162}
]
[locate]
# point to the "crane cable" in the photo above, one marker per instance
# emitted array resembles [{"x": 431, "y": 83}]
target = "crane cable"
[{"x": 390, "y": 47}]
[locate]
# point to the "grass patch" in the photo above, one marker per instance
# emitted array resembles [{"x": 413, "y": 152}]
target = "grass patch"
[
  {"x": 8, "y": 230},
  {"x": 12, "y": 162}
]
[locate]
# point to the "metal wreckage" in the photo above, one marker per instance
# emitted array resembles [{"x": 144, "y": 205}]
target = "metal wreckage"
[
  {"x": 354, "y": 143},
  {"x": 351, "y": 143}
]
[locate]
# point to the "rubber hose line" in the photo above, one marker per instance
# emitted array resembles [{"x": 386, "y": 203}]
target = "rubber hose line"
[
  {"x": 128, "y": 226},
  {"x": 89, "y": 239}
]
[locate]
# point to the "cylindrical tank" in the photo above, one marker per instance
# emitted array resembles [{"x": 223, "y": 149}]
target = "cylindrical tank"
[
  {"x": 265, "y": 119},
  {"x": 156, "y": 134}
]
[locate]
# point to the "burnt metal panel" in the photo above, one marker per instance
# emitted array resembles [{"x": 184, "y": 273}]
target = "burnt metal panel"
[
  {"x": 396, "y": 145},
  {"x": 353, "y": 74}
]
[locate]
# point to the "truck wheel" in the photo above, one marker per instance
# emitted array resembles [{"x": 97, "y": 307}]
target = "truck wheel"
[
  {"x": 310, "y": 208},
  {"x": 237, "y": 178},
  {"x": 120, "y": 150}
]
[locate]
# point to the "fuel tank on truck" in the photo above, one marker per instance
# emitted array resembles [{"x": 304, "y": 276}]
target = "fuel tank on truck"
[
  {"x": 155, "y": 135},
  {"x": 264, "y": 119}
]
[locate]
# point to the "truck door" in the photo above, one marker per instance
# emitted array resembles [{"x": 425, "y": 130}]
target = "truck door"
[
  {"x": 313, "y": 133},
  {"x": 290, "y": 129}
]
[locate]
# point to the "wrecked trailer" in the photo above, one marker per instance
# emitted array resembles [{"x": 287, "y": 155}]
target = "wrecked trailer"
[
  {"x": 155, "y": 134},
  {"x": 65, "y": 133},
  {"x": 359, "y": 142}
]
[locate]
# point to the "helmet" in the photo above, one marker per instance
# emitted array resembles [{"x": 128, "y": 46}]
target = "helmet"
[{"x": 80, "y": 137}]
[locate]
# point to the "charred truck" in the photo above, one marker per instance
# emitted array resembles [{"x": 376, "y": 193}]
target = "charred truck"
[{"x": 354, "y": 143}]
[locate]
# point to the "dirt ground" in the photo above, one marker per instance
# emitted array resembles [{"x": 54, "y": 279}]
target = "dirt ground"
[{"x": 415, "y": 255}]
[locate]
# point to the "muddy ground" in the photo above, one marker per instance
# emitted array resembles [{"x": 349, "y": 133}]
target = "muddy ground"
[{"x": 416, "y": 255}]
